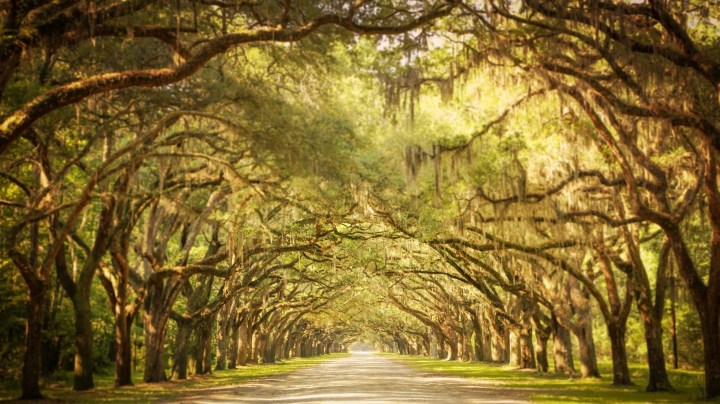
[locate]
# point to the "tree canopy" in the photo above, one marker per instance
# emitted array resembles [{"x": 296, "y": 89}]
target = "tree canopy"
[{"x": 204, "y": 184}]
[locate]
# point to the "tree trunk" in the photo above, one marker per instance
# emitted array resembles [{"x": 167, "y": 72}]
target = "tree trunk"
[
  {"x": 118, "y": 295},
  {"x": 543, "y": 327},
  {"x": 588, "y": 358},
  {"x": 203, "y": 345},
  {"x": 673, "y": 319},
  {"x": 155, "y": 324},
  {"x": 33, "y": 340},
  {"x": 425, "y": 341},
  {"x": 123, "y": 355},
  {"x": 207, "y": 354},
  {"x": 83, "y": 338},
  {"x": 269, "y": 349},
  {"x": 477, "y": 337},
  {"x": 527, "y": 351},
  {"x": 289, "y": 347},
  {"x": 52, "y": 344},
  {"x": 180, "y": 353},
  {"x": 467, "y": 349},
  {"x": 79, "y": 292},
  {"x": 562, "y": 348},
  {"x": 711, "y": 342},
  {"x": 401, "y": 345},
  {"x": 651, "y": 314},
  {"x": 438, "y": 346},
  {"x": 154, "y": 357},
  {"x": 233, "y": 347},
  {"x": 328, "y": 348},
  {"x": 706, "y": 298},
  {"x": 243, "y": 343},
  {"x": 221, "y": 343},
  {"x": 123, "y": 342},
  {"x": 525, "y": 335},
  {"x": 706, "y": 301},
  {"x": 256, "y": 342},
  {"x": 453, "y": 356},
  {"x": 541, "y": 340},
  {"x": 514, "y": 349},
  {"x": 279, "y": 346},
  {"x": 487, "y": 339},
  {"x": 621, "y": 373},
  {"x": 478, "y": 346},
  {"x": 659, "y": 380},
  {"x": 500, "y": 343}
]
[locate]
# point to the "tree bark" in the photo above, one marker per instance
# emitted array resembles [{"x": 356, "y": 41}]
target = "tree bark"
[
  {"x": 256, "y": 343},
  {"x": 711, "y": 322},
  {"x": 124, "y": 315},
  {"x": 706, "y": 303},
  {"x": 123, "y": 355},
  {"x": 155, "y": 324},
  {"x": 222, "y": 339},
  {"x": 651, "y": 318},
  {"x": 233, "y": 346},
  {"x": 673, "y": 319},
  {"x": 527, "y": 350},
  {"x": 588, "y": 357},
  {"x": 83, "y": 339},
  {"x": 52, "y": 344},
  {"x": 541, "y": 341},
  {"x": 203, "y": 345},
  {"x": 477, "y": 337},
  {"x": 33, "y": 340},
  {"x": 180, "y": 353},
  {"x": 243, "y": 342},
  {"x": 562, "y": 348},
  {"x": 711, "y": 341},
  {"x": 500, "y": 343},
  {"x": 269, "y": 348},
  {"x": 453, "y": 345},
  {"x": 79, "y": 292},
  {"x": 279, "y": 346},
  {"x": 651, "y": 313},
  {"x": 659, "y": 380},
  {"x": 621, "y": 372},
  {"x": 514, "y": 349}
]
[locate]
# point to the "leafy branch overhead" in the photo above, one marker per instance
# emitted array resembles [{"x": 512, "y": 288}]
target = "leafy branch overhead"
[{"x": 197, "y": 185}]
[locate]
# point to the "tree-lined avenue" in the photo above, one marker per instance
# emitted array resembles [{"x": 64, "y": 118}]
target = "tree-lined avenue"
[{"x": 196, "y": 186}]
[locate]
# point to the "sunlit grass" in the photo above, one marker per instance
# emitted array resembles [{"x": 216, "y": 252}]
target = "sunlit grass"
[
  {"x": 60, "y": 388},
  {"x": 552, "y": 388}
]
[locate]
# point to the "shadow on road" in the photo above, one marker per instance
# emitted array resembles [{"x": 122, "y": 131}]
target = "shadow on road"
[{"x": 363, "y": 377}]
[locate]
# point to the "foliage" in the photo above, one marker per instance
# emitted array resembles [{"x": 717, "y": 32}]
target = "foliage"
[{"x": 213, "y": 183}]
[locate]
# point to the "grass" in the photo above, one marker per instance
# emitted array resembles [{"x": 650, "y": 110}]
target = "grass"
[
  {"x": 60, "y": 387},
  {"x": 551, "y": 388}
]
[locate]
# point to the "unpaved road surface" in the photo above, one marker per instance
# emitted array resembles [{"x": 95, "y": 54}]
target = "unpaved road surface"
[{"x": 360, "y": 378}]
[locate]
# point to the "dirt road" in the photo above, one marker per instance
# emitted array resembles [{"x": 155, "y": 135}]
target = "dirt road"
[{"x": 360, "y": 378}]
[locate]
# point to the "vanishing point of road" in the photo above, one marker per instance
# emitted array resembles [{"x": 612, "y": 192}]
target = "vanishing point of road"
[{"x": 360, "y": 378}]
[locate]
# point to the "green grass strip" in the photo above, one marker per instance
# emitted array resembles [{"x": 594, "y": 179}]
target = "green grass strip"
[
  {"x": 60, "y": 387},
  {"x": 552, "y": 388}
]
